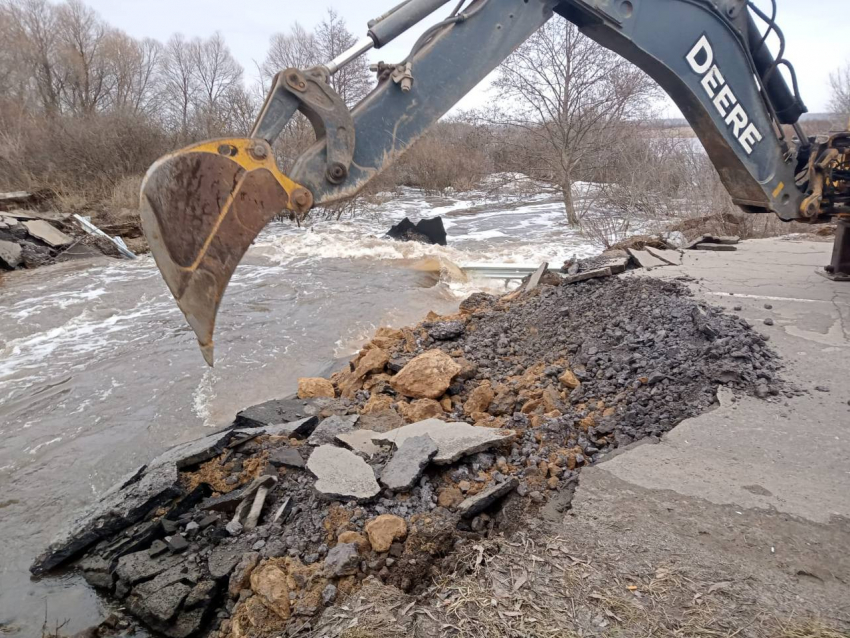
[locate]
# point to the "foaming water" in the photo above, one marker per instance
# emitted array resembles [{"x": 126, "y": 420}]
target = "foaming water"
[{"x": 99, "y": 372}]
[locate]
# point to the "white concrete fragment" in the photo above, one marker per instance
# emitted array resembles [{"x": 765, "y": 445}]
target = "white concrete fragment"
[
  {"x": 342, "y": 475},
  {"x": 42, "y": 230},
  {"x": 454, "y": 440}
]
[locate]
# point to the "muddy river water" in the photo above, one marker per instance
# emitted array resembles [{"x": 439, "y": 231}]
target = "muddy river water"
[{"x": 99, "y": 372}]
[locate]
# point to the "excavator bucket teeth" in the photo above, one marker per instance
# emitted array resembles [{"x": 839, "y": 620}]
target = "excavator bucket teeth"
[{"x": 201, "y": 208}]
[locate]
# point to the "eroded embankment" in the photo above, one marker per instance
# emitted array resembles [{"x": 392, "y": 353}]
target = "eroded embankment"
[{"x": 436, "y": 436}]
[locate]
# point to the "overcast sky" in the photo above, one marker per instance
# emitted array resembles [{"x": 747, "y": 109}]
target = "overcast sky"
[{"x": 815, "y": 30}]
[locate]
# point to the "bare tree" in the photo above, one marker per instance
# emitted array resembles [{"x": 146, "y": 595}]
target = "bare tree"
[
  {"x": 135, "y": 71},
  {"x": 353, "y": 81},
  {"x": 82, "y": 39},
  {"x": 179, "y": 84},
  {"x": 569, "y": 96},
  {"x": 32, "y": 34},
  {"x": 302, "y": 49},
  {"x": 840, "y": 101},
  {"x": 219, "y": 82},
  {"x": 296, "y": 49},
  {"x": 216, "y": 69}
]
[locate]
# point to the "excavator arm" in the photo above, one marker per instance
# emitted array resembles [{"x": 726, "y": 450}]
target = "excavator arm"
[{"x": 204, "y": 205}]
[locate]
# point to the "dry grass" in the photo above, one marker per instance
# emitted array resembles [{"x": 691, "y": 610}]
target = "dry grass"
[
  {"x": 125, "y": 193},
  {"x": 529, "y": 588},
  {"x": 808, "y": 629}
]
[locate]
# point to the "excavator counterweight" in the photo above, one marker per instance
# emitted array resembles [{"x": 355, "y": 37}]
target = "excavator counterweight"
[{"x": 203, "y": 206}]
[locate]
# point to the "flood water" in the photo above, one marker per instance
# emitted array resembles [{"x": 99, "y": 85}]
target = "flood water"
[{"x": 99, "y": 372}]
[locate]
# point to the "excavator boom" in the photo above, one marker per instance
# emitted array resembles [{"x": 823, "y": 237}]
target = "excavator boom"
[{"x": 203, "y": 206}]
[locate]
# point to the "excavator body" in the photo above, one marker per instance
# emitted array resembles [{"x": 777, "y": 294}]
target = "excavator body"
[{"x": 203, "y": 206}]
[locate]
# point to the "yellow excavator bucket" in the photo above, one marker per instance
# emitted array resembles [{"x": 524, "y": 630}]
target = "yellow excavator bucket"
[{"x": 201, "y": 208}]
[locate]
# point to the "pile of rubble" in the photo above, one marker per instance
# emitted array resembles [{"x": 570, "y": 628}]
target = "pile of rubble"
[
  {"x": 434, "y": 436},
  {"x": 641, "y": 252},
  {"x": 30, "y": 238},
  {"x": 27, "y": 240}
]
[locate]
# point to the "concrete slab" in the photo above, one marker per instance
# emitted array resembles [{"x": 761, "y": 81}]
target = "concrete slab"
[
  {"x": 646, "y": 260},
  {"x": 786, "y": 454},
  {"x": 454, "y": 440},
  {"x": 42, "y": 230},
  {"x": 342, "y": 475},
  {"x": 672, "y": 257}
]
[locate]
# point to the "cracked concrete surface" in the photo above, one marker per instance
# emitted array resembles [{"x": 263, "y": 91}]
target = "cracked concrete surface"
[{"x": 788, "y": 454}]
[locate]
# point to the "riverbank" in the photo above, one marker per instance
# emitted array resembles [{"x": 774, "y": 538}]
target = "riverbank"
[{"x": 543, "y": 383}]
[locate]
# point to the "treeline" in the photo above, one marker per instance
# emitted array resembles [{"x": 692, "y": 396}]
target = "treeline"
[{"x": 85, "y": 109}]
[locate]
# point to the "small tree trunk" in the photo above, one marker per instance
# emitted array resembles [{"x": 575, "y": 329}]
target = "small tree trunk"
[{"x": 567, "y": 193}]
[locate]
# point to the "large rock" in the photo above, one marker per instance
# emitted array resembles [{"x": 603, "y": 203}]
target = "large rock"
[
  {"x": 486, "y": 498},
  {"x": 454, "y": 440},
  {"x": 569, "y": 379},
  {"x": 408, "y": 463},
  {"x": 330, "y": 428},
  {"x": 342, "y": 474},
  {"x": 342, "y": 560},
  {"x": 427, "y": 376},
  {"x": 371, "y": 361},
  {"x": 420, "y": 409},
  {"x": 312, "y": 387},
  {"x": 479, "y": 399},
  {"x": 357, "y": 538},
  {"x": 268, "y": 581},
  {"x": 43, "y": 231},
  {"x": 384, "y": 530},
  {"x": 10, "y": 254}
]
